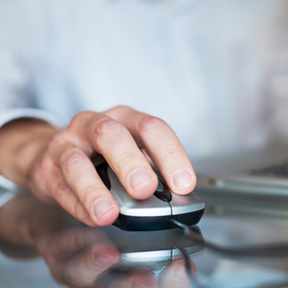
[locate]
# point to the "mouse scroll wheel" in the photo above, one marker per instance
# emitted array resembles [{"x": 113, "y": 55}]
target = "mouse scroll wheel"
[
  {"x": 160, "y": 187},
  {"x": 162, "y": 192}
]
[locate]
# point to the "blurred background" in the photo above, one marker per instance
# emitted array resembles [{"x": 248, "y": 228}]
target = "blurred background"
[{"x": 216, "y": 71}]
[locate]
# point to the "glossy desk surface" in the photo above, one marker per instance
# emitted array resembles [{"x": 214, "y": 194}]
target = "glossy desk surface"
[{"x": 231, "y": 222}]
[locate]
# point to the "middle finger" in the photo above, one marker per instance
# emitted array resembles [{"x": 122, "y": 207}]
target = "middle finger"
[{"x": 162, "y": 145}]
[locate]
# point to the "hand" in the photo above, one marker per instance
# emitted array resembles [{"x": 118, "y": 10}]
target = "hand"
[
  {"x": 61, "y": 168},
  {"x": 77, "y": 256},
  {"x": 80, "y": 257}
]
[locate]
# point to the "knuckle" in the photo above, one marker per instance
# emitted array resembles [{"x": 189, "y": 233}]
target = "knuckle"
[
  {"x": 125, "y": 159},
  {"x": 71, "y": 157},
  {"x": 150, "y": 122},
  {"x": 123, "y": 108},
  {"x": 56, "y": 141},
  {"x": 171, "y": 153},
  {"x": 120, "y": 112},
  {"x": 105, "y": 125},
  {"x": 79, "y": 118},
  {"x": 87, "y": 195}
]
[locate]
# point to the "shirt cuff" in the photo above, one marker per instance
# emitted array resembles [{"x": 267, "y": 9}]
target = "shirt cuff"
[
  {"x": 29, "y": 113},
  {"x": 7, "y": 196},
  {"x": 6, "y": 184}
]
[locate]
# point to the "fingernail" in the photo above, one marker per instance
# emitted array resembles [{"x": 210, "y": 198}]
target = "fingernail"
[
  {"x": 182, "y": 179},
  {"x": 180, "y": 274},
  {"x": 139, "y": 178},
  {"x": 101, "y": 206}
]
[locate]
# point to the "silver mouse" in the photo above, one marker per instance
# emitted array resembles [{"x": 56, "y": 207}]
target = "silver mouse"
[{"x": 154, "y": 212}]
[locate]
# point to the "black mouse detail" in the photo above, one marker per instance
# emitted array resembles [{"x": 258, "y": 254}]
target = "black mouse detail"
[
  {"x": 102, "y": 170},
  {"x": 162, "y": 192}
]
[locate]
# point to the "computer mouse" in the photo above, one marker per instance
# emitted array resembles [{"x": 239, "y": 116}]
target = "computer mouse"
[{"x": 154, "y": 212}]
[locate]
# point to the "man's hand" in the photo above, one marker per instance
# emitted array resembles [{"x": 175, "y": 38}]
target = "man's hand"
[{"x": 57, "y": 165}]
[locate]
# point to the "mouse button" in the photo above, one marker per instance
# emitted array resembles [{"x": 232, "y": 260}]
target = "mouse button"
[
  {"x": 162, "y": 192},
  {"x": 186, "y": 203},
  {"x": 149, "y": 207},
  {"x": 161, "y": 186},
  {"x": 120, "y": 195},
  {"x": 102, "y": 171},
  {"x": 164, "y": 196},
  {"x": 118, "y": 191}
]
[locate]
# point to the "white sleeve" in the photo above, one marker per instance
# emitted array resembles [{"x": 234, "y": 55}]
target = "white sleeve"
[
  {"x": 17, "y": 99},
  {"x": 6, "y": 197},
  {"x": 28, "y": 113}
]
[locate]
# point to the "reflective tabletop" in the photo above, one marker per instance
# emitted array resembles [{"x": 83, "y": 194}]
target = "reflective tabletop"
[{"x": 241, "y": 241}]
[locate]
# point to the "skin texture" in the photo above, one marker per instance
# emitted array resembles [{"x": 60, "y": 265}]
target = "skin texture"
[{"x": 56, "y": 164}]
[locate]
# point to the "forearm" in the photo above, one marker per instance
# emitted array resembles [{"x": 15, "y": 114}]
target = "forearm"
[{"x": 21, "y": 142}]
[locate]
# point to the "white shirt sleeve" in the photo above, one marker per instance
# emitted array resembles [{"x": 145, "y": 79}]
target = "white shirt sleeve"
[
  {"x": 6, "y": 197},
  {"x": 28, "y": 113},
  {"x": 16, "y": 92}
]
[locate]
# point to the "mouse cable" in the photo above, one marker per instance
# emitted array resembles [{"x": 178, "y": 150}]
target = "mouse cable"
[
  {"x": 277, "y": 250},
  {"x": 272, "y": 250}
]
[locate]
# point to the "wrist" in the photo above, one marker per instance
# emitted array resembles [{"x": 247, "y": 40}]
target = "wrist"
[
  {"x": 22, "y": 143},
  {"x": 32, "y": 150}
]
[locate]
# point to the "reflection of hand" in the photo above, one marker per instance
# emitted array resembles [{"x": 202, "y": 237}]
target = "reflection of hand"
[
  {"x": 75, "y": 256},
  {"x": 65, "y": 173},
  {"x": 78, "y": 256},
  {"x": 175, "y": 276}
]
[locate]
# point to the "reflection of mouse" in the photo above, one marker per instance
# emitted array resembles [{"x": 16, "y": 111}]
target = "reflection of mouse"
[
  {"x": 136, "y": 248},
  {"x": 138, "y": 251},
  {"x": 152, "y": 213}
]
